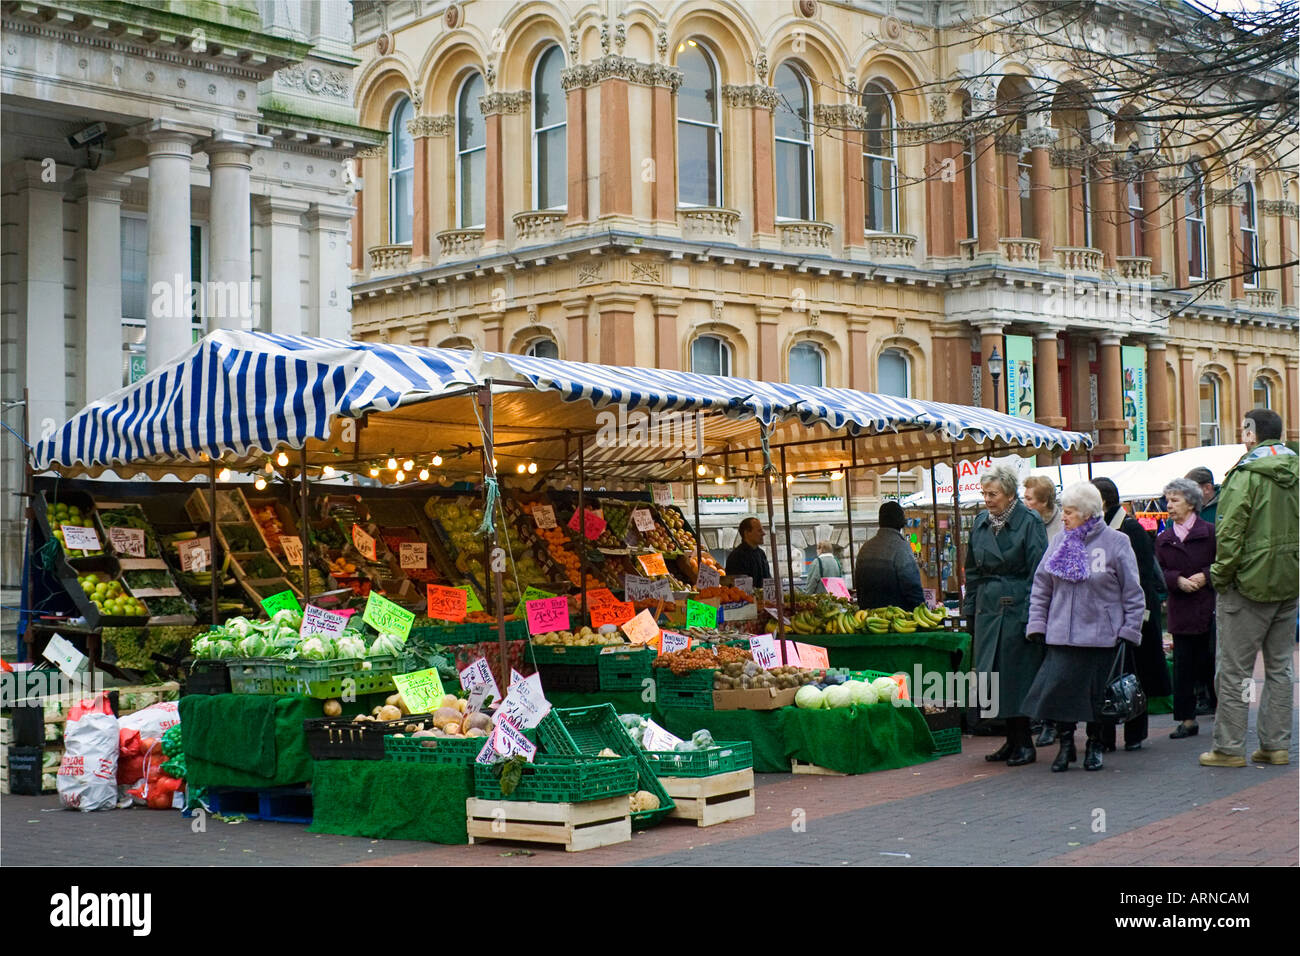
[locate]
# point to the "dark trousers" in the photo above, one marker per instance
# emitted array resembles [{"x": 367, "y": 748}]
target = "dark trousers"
[
  {"x": 1094, "y": 729},
  {"x": 1193, "y": 666}
]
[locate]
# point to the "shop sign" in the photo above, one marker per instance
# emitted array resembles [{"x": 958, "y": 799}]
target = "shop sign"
[
  {"x": 80, "y": 539},
  {"x": 284, "y": 601},
  {"x": 316, "y": 620},
  {"x": 195, "y": 555},
  {"x": 699, "y": 614}
]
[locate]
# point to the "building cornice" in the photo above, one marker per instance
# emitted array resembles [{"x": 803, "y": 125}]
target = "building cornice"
[
  {"x": 511, "y": 102},
  {"x": 615, "y": 67}
]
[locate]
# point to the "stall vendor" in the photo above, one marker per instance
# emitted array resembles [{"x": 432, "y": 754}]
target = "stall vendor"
[{"x": 748, "y": 558}]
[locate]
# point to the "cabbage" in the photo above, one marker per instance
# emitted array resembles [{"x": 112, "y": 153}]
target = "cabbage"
[
  {"x": 386, "y": 645},
  {"x": 838, "y": 696},
  {"x": 886, "y": 688},
  {"x": 809, "y": 698},
  {"x": 702, "y": 739},
  {"x": 349, "y": 645},
  {"x": 255, "y": 645},
  {"x": 685, "y": 747},
  {"x": 223, "y": 648},
  {"x": 861, "y": 692}
]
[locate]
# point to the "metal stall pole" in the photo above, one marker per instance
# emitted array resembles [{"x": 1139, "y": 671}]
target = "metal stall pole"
[
  {"x": 938, "y": 536},
  {"x": 776, "y": 565},
  {"x": 484, "y": 398},
  {"x": 699, "y": 534},
  {"x": 215, "y": 587},
  {"x": 956, "y": 531},
  {"x": 848, "y": 498},
  {"x": 582, "y": 527},
  {"x": 785, "y": 508},
  {"x": 305, "y": 531},
  {"x": 1090, "y": 464}
]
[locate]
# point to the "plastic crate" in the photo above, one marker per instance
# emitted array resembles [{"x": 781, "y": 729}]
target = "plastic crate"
[
  {"x": 340, "y": 738},
  {"x": 453, "y": 750},
  {"x": 724, "y": 758},
  {"x": 625, "y": 670},
  {"x": 207, "y": 677},
  {"x": 947, "y": 741},
  {"x": 324, "y": 679},
  {"x": 254, "y": 675},
  {"x": 691, "y": 691},
  {"x": 565, "y": 654},
  {"x": 592, "y": 729},
  {"x": 570, "y": 678},
  {"x": 562, "y": 778}
]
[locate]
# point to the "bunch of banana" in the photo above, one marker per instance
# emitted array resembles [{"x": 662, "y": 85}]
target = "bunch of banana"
[
  {"x": 927, "y": 619},
  {"x": 806, "y": 622},
  {"x": 877, "y": 624}
]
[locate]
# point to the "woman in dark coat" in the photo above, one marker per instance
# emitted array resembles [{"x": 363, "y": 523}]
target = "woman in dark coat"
[
  {"x": 1006, "y": 544},
  {"x": 1185, "y": 550},
  {"x": 1148, "y": 661}
]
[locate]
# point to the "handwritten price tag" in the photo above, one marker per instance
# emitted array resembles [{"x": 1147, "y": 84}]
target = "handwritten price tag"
[
  {"x": 672, "y": 641},
  {"x": 508, "y": 740},
  {"x": 701, "y": 615},
  {"x": 835, "y": 586},
  {"x": 413, "y": 554},
  {"x": 292, "y": 549},
  {"x": 763, "y": 649},
  {"x": 637, "y": 588},
  {"x": 707, "y": 578},
  {"x": 643, "y": 519},
  {"x": 317, "y": 620},
  {"x": 601, "y": 597},
  {"x": 663, "y": 494},
  {"x": 364, "y": 544},
  {"x": 658, "y": 740},
  {"x": 642, "y": 629},
  {"x": 525, "y": 704},
  {"x": 548, "y": 614},
  {"x": 810, "y": 655},
  {"x": 617, "y": 613},
  {"x": 80, "y": 539},
  {"x": 127, "y": 541},
  {"x": 284, "y": 601},
  {"x": 195, "y": 555},
  {"x": 769, "y": 590},
  {"x": 421, "y": 691},
  {"x": 544, "y": 516},
  {"x": 530, "y": 594},
  {"x": 472, "y": 603},
  {"x": 478, "y": 680},
  {"x": 447, "y": 604},
  {"x": 386, "y": 617},
  {"x": 592, "y": 527},
  {"x": 743, "y": 581},
  {"x": 652, "y": 564}
]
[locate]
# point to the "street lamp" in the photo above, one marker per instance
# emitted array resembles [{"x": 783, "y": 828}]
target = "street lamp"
[{"x": 995, "y": 373}]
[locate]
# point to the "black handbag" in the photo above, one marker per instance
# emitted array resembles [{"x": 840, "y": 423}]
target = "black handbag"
[{"x": 1124, "y": 698}]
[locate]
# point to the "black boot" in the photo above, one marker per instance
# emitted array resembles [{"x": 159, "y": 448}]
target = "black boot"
[
  {"x": 1023, "y": 744},
  {"x": 1002, "y": 753},
  {"x": 1066, "y": 755},
  {"x": 1048, "y": 735},
  {"x": 1092, "y": 754}
]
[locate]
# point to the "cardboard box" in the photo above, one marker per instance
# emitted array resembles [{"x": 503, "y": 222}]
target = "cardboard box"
[{"x": 757, "y": 698}]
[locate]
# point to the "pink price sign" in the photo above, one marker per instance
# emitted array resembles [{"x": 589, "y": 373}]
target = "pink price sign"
[
  {"x": 836, "y": 586},
  {"x": 548, "y": 614},
  {"x": 592, "y": 526}
]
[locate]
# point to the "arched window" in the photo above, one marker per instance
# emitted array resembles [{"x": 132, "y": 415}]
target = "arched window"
[
  {"x": 699, "y": 128},
  {"x": 880, "y": 160},
  {"x": 893, "y": 374},
  {"x": 1263, "y": 393},
  {"x": 1194, "y": 211},
  {"x": 550, "y": 161},
  {"x": 543, "y": 348},
  {"x": 471, "y": 154},
  {"x": 401, "y": 175},
  {"x": 1249, "y": 237},
  {"x": 807, "y": 364},
  {"x": 1209, "y": 409},
  {"x": 1135, "y": 213},
  {"x": 794, "y": 145},
  {"x": 1025, "y": 188},
  {"x": 710, "y": 355}
]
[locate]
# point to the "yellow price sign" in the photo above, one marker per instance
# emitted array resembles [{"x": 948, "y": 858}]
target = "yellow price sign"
[
  {"x": 422, "y": 690},
  {"x": 386, "y": 617}
]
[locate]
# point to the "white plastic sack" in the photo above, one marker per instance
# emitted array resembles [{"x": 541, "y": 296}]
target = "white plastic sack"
[
  {"x": 152, "y": 721},
  {"x": 88, "y": 774}
]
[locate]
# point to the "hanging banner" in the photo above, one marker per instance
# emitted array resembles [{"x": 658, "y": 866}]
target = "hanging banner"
[
  {"x": 1133, "y": 358},
  {"x": 1020, "y": 376}
]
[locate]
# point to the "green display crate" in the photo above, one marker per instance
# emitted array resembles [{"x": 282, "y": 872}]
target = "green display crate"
[
  {"x": 724, "y": 758},
  {"x": 453, "y": 750},
  {"x": 947, "y": 741},
  {"x": 625, "y": 670},
  {"x": 562, "y": 779},
  {"x": 254, "y": 675},
  {"x": 325, "y": 679},
  {"x": 576, "y": 654},
  {"x": 690, "y": 691}
]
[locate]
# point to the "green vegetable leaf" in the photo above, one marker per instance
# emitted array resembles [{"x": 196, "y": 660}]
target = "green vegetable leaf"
[{"x": 512, "y": 772}]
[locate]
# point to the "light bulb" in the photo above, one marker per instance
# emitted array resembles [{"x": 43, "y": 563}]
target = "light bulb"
[
  {"x": 374, "y": 471},
  {"x": 401, "y": 475},
  {"x": 521, "y": 468},
  {"x": 269, "y": 469},
  {"x": 408, "y": 465},
  {"x": 327, "y": 471},
  {"x": 719, "y": 480},
  {"x": 260, "y": 483},
  {"x": 837, "y": 476},
  {"x": 392, "y": 464},
  {"x": 494, "y": 464},
  {"x": 701, "y": 470},
  {"x": 532, "y": 467},
  {"x": 424, "y": 474},
  {"x": 771, "y": 479},
  {"x": 789, "y": 479},
  {"x": 282, "y": 459},
  {"x": 437, "y": 461},
  {"x": 223, "y": 474}
]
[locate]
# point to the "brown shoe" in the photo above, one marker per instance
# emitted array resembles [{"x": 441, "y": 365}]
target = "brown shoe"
[
  {"x": 1279, "y": 758},
  {"x": 1216, "y": 759}
]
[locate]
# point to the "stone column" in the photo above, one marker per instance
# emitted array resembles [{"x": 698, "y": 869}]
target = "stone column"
[
  {"x": 615, "y": 150},
  {"x": 99, "y": 291},
  {"x": 494, "y": 229},
  {"x": 860, "y": 371},
  {"x": 667, "y": 342},
  {"x": 421, "y": 128},
  {"x": 281, "y": 221},
  {"x": 1105, "y": 225},
  {"x": 986, "y": 192},
  {"x": 1082, "y": 417},
  {"x": 170, "y": 148},
  {"x": 1008, "y": 149},
  {"x": 576, "y": 311},
  {"x": 945, "y": 200},
  {"x": 663, "y": 190},
  {"x": 1191, "y": 398},
  {"x": 617, "y": 333},
  {"x": 1074, "y": 202},
  {"x": 990, "y": 337},
  {"x": 1153, "y": 223},
  {"x": 1160, "y": 426},
  {"x": 1047, "y": 379},
  {"x": 229, "y": 295},
  {"x": 1244, "y": 393},
  {"x": 1236, "y": 285},
  {"x": 1110, "y": 401},
  {"x": 855, "y": 210},
  {"x": 328, "y": 314},
  {"x": 576, "y": 150},
  {"x": 1286, "y": 229},
  {"x": 769, "y": 348},
  {"x": 952, "y": 366},
  {"x": 764, "y": 167},
  {"x": 358, "y": 226},
  {"x": 1174, "y": 187},
  {"x": 1039, "y": 140},
  {"x": 1292, "y": 423}
]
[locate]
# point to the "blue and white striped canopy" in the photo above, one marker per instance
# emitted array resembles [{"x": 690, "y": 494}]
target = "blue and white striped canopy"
[{"x": 235, "y": 395}]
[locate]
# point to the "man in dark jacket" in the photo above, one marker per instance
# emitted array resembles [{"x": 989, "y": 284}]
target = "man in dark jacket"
[
  {"x": 748, "y": 558},
  {"x": 886, "y": 574},
  {"x": 1209, "y": 493}
]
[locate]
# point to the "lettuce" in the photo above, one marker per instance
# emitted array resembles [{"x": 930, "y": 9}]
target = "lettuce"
[
  {"x": 288, "y": 617},
  {"x": 255, "y": 645},
  {"x": 238, "y": 627},
  {"x": 223, "y": 648},
  {"x": 316, "y": 648},
  {"x": 350, "y": 645},
  {"x": 386, "y": 645}
]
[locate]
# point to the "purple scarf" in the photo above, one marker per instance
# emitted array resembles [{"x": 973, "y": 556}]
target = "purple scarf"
[{"x": 1070, "y": 562}]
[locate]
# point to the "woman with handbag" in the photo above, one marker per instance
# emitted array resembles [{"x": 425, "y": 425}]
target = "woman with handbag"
[{"x": 1086, "y": 600}]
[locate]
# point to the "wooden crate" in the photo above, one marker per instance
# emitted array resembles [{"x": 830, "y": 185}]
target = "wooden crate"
[
  {"x": 575, "y": 826},
  {"x": 799, "y": 766},
  {"x": 710, "y": 800}
]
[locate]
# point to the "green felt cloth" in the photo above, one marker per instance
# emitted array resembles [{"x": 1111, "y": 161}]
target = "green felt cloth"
[
  {"x": 386, "y": 800},
  {"x": 1163, "y": 705},
  {"x": 762, "y": 728},
  {"x": 938, "y": 651},
  {"x": 858, "y": 739},
  {"x": 246, "y": 740},
  {"x": 625, "y": 702}
]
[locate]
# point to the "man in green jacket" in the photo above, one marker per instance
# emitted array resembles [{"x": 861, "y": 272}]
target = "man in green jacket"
[{"x": 1256, "y": 575}]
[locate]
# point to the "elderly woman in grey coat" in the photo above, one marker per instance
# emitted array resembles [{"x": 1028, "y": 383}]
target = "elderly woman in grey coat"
[
  {"x": 1087, "y": 596},
  {"x": 1006, "y": 544}
]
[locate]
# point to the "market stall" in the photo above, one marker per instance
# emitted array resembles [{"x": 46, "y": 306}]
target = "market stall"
[{"x": 478, "y": 536}]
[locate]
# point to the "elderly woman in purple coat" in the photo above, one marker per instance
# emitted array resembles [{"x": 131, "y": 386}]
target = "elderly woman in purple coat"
[{"x": 1087, "y": 596}]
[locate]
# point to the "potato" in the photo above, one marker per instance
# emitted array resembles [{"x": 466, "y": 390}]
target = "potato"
[
  {"x": 333, "y": 708},
  {"x": 462, "y": 705},
  {"x": 395, "y": 700},
  {"x": 389, "y": 712},
  {"x": 448, "y": 700},
  {"x": 476, "y": 732}
]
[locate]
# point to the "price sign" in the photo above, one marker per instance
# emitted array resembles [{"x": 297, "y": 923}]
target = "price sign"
[
  {"x": 769, "y": 590},
  {"x": 478, "y": 680},
  {"x": 544, "y": 516},
  {"x": 80, "y": 539},
  {"x": 592, "y": 527},
  {"x": 707, "y": 578},
  {"x": 643, "y": 519},
  {"x": 931, "y": 597},
  {"x": 836, "y": 586},
  {"x": 292, "y": 549},
  {"x": 743, "y": 581},
  {"x": 701, "y": 615},
  {"x": 388, "y": 618},
  {"x": 652, "y": 564},
  {"x": 663, "y": 494},
  {"x": 316, "y": 620},
  {"x": 421, "y": 691},
  {"x": 810, "y": 655},
  {"x": 515, "y": 678},
  {"x": 447, "y": 604},
  {"x": 472, "y": 603},
  {"x": 548, "y": 614},
  {"x": 637, "y": 588},
  {"x": 601, "y": 597},
  {"x": 507, "y": 740},
  {"x": 530, "y": 593},
  {"x": 617, "y": 613},
  {"x": 364, "y": 544},
  {"x": 672, "y": 641},
  {"x": 525, "y": 704},
  {"x": 776, "y": 615},
  {"x": 284, "y": 601},
  {"x": 413, "y": 554},
  {"x": 195, "y": 555},
  {"x": 127, "y": 541},
  {"x": 763, "y": 649},
  {"x": 658, "y": 740},
  {"x": 642, "y": 629}
]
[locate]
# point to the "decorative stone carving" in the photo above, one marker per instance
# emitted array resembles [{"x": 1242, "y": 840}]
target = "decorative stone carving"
[
  {"x": 842, "y": 115},
  {"x": 502, "y": 102},
  {"x": 900, "y": 325},
  {"x": 938, "y": 106},
  {"x": 620, "y": 35},
  {"x": 539, "y": 224},
  {"x": 431, "y": 125},
  {"x": 754, "y": 96},
  {"x": 621, "y": 68},
  {"x": 1070, "y": 157},
  {"x": 715, "y": 310},
  {"x": 1174, "y": 184},
  {"x": 661, "y": 42},
  {"x": 1226, "y": 197},
  {"x": 589, "y": 272},
  {"x": 1279, "y": 207},
  {"x": 1008, "y": 143},
  {"x": 890, "y": 246},
  {"x": 647, "y": 272},
  {"x": 604, "y": 36},
  {"x": 372, "y": 152},
  {"x": 532, "y": 315},
  {"x": 1038, "y": 138},
  {"x": 760, "y": 64},
  {"x": 814, "y": 317},
  {"x": 490, "y": 74},
  {"x": 460, "y": 243},
  {"x": 573, "y": 42},
  {"x": 709, "y": 222},
  {"x": 330, "y": 83}
]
